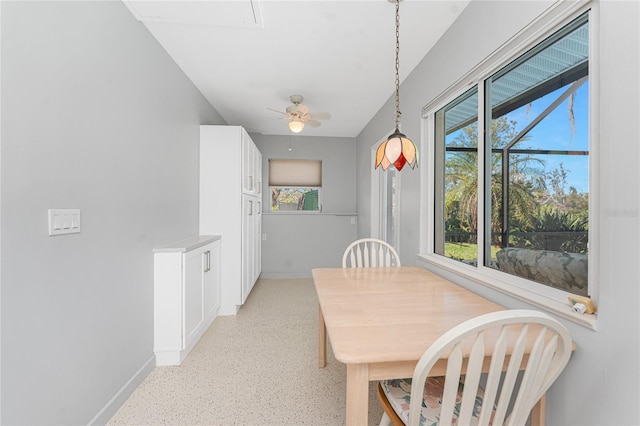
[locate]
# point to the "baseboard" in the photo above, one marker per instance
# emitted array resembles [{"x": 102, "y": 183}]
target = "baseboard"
[
  {"x": 124, "y": 393},
  {"x": 279, "y": 275},
  {"x": 228, "y": 310}
]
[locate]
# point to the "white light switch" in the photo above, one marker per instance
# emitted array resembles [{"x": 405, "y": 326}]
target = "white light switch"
[{"x": 64, "y": 221}]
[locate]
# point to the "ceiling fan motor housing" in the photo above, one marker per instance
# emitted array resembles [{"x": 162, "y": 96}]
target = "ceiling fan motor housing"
[{"x": 296, "y": 99}]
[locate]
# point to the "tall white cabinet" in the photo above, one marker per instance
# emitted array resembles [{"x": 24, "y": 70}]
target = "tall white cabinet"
[{"x": 231, "y": 206}]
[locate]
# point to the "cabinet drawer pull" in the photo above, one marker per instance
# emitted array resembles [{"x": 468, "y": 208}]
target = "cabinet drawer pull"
[{"x": 207, "y": 261}]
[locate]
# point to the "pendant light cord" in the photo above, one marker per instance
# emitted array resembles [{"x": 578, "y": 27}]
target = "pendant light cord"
[
  {"x": 397, "y": 150},
  {"x": 398, "y": 65}
]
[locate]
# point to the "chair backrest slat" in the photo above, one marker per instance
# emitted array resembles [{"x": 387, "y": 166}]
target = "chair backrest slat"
[
  {"x": 472, "y": 379},
  {"x": 511, "y": 375},
  {"x": 546, "y": 364},
  {"x": 451, "y": 385},
  {"x": 493, "y": 377},
  {"x": 537, "y": 363},
  {"x": 367, "y": 256}
]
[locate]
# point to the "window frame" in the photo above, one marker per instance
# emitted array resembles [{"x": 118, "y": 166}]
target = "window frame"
[
  {"x": 439, "y": 175},
  {"x": 545, "y": 297}
]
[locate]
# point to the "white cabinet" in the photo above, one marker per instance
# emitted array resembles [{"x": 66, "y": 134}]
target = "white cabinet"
[
  {"x": 231, "y": 206},
  {"x": 186, "y": 279}
]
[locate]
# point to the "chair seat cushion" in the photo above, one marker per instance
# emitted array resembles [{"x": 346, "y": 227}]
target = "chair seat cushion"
[{"x": 398, "y": 393}]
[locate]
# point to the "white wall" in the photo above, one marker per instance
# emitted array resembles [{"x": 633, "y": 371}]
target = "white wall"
[
  {"x": 298, "y": 242},
  {"x": 601, "y": 383},
  {"x": 95, "y": 116}
]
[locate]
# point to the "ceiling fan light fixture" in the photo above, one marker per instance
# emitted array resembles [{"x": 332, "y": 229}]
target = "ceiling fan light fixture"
[
  {"x": 296, "y": 125},
  {"x": 298, "y": 115},
  {"x": 397, "y": 149}
]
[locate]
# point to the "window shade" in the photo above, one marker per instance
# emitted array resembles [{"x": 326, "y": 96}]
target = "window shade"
[{"x": 287, "y": 173}]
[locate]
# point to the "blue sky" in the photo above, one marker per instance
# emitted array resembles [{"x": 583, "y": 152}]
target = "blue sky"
[{"x": 554, "y": 132}]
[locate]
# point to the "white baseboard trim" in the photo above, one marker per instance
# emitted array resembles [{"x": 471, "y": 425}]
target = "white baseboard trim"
[
  {"x": 277, "y": 275},
  {"x": 124, "y": 393}
]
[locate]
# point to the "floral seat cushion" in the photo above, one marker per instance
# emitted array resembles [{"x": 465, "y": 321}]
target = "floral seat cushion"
[{"x": 398, "y": 393}]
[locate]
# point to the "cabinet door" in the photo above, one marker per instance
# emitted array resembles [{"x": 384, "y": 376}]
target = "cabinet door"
[
  {"x": 251, "y": 166},
  {"x": 248, "y": 164},
  {"x": 211, "y": 284},
  {"x": 257, "y": 249},
  {"x": 257, "y": 156},
  {"x": 193, "y": 302},
  {"x": 248, "y": 244}
]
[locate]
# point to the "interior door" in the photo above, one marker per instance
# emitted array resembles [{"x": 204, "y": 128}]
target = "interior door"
[
  {"x": 248, "y": 244},
  {"x": 385, "y": 204},
  {"x": 389, "y": 200}
]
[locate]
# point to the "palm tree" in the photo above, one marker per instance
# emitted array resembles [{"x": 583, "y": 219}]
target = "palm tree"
[{"x": 461, "y": 179}]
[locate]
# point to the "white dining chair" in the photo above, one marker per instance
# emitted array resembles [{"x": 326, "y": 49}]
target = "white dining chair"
[
  {"x": 370, "y": 253},
  {"x": 458, "y": 397}
]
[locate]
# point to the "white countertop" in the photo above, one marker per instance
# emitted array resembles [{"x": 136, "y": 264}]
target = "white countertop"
[{"x": 187, "y": 244}]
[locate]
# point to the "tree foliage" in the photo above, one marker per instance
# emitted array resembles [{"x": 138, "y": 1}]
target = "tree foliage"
[{"x": 538, "y": 200}]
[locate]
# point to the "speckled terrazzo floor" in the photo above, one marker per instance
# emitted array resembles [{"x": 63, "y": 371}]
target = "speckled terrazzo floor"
[{"x": 257, "y": 368}]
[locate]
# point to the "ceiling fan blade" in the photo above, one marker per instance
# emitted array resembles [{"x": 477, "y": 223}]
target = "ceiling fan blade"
[
  {"x": 320, "y": 116},
  {"x": 313, "y": 123},
  {"x": 275, "y": 110}
]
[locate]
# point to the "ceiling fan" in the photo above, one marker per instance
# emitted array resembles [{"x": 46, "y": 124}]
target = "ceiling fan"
[{"x": 298, "y": 115}]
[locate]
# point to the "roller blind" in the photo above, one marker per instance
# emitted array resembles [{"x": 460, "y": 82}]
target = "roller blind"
[{"x": 288, "y": 173}]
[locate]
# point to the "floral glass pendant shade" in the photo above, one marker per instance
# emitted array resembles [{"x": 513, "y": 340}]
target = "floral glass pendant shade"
[{"x": 398, "y": 150}]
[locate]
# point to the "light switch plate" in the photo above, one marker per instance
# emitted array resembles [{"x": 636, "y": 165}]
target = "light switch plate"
[{"x": 64, "y": 221}]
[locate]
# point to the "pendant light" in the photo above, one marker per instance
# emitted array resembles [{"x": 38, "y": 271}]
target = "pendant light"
[{"x": 398, "y": 149}]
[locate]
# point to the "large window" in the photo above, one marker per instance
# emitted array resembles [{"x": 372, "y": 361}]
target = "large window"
[{"x": 523, "y": 205}]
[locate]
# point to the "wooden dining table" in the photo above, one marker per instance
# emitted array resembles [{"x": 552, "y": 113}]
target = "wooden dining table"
[{"x": 381, "y": 320}]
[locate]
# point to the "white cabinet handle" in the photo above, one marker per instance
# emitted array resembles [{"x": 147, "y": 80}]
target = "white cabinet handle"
[{"x": 207, "y": 261}]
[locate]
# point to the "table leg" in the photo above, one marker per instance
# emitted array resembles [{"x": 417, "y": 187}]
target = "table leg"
[
  {"x": 357, "y": 394},
  {"x": 322, "y": 340},
  {"x": 538, "y": 414}
]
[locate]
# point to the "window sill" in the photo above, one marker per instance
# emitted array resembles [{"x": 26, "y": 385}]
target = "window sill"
[
  {"x": 302, "y": 212},
  {"x": 556, "y": 304}
]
